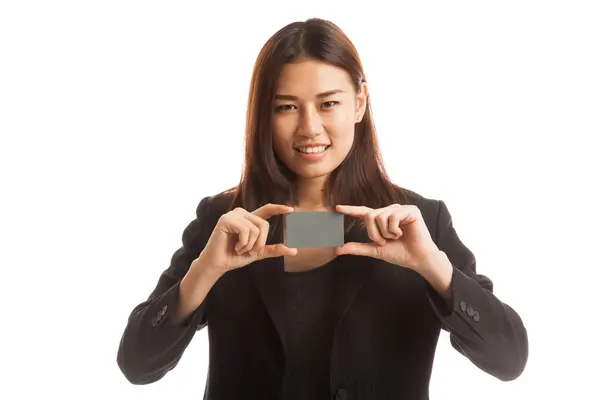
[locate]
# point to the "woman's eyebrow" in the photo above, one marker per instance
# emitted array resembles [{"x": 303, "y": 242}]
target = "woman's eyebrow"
[{"x": 320, "y": 95}]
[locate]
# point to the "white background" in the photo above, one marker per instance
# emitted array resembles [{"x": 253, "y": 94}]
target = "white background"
[{"x": 112, "y": 112}]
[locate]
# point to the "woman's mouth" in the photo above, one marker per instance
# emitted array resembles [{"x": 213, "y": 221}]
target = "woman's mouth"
[
  {"x": 312, "y": 154},
  {"x": 312, "y": 150}
]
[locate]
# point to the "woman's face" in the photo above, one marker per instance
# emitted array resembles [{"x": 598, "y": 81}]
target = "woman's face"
[{"x": 315, "y": 104}]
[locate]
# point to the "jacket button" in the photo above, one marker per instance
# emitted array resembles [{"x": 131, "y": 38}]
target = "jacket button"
[
  {"x": 476, "y": 317},
  {"x": 470, "y": 311},
  {"x": 341, "y": 394},
  {"x": 463, "y": 305}
]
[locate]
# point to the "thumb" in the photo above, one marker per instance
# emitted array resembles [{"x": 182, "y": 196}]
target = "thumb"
[
  {"x": 277, "y": 250},
  {"x": 358, "y": 249}
]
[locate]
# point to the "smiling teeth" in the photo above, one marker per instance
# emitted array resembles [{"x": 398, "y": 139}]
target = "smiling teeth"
[{"x": 310, "y": 150}]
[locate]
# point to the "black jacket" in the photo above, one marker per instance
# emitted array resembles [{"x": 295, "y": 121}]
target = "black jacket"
[{"x": 387, "y": 320}]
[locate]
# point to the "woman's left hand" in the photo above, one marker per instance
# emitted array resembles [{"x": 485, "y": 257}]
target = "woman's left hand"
[{"x": 398, "y": 232}]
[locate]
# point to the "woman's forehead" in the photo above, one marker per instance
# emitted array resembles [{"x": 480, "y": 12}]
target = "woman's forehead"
[{"x": 311, "y": 78}]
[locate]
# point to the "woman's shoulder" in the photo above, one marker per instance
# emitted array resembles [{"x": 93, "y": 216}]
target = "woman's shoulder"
[
  {"x": 412, "y": 197},
  {"x": 216, "y": 204},
  {"x": 428, "y": 205}
]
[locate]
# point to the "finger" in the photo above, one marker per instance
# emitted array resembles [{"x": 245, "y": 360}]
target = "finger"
[
  {"x": 268, "y": 210},
  {"x": 232, "y": 224},
  {"x": 382, "y": 223},
  {"x": 263, "y": 227},
  {"x": 254, "y": 233},
  {"x": 373, "y": 229},
  {"x": 408, "y": 214},
  {"x": 355, "y": 211},
  {"x": 359, "y": 249},
  {"x": 277, "y": 250},
  {"x": 394, "y": 224},
  {"x": 247, "y": 237}
]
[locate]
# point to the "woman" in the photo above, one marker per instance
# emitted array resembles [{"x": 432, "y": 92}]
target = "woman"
[{"x": 356, "y": 322}]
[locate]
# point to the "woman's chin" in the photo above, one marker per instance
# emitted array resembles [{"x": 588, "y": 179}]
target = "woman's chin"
[{"x": 312, "y": 172}]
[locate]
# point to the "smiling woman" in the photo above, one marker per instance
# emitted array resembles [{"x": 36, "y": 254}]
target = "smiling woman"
[{"x": 359, "y": 321}]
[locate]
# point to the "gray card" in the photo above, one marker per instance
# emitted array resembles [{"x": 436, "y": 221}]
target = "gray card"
[{"x": 305, "y": 229}]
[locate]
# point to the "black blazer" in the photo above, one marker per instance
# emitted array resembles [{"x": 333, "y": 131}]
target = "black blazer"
[{"x": 387, "y": 320}]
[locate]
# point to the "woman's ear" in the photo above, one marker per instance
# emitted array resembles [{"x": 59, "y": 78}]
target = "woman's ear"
[{"x": 361, "y": 101}]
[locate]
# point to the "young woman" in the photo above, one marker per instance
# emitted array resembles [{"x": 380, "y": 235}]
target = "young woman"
[{"x": 359, "y": 321}]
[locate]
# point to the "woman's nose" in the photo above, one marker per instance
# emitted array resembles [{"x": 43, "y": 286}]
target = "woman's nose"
[{"x": 310, "y": 123}]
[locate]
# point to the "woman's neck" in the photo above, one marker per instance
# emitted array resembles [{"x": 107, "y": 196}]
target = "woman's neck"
[{"x": 310, "y": 195}]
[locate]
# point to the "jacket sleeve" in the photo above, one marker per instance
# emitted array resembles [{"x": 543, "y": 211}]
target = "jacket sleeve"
[
  {"x": 152, "y": 344},
  {"x": 484, "y": 329}
]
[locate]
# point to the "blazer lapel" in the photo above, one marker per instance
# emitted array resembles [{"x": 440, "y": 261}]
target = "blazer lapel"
[{"x": 350, "y": 275}]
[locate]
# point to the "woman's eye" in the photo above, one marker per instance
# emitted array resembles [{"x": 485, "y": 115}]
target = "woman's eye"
[
  {"x": 329, "y": 104},
  {"x": 284, "y": 107}
]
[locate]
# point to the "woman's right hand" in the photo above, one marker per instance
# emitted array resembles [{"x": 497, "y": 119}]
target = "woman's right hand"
[{"x": 240, "y": 237}]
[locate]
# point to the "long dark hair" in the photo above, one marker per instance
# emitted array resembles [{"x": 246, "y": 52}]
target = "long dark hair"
[{"x": 360, "y": 179}]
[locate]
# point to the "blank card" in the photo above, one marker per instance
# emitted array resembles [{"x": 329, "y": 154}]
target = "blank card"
[{"x": 306, "y": 229}]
